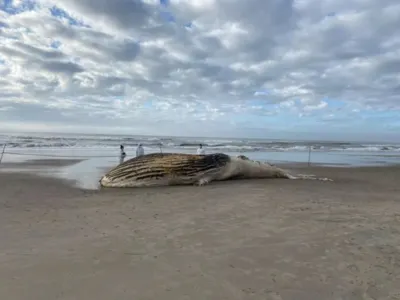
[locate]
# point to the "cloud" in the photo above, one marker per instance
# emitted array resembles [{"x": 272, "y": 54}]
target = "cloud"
[{"x": 211, "y": 67}]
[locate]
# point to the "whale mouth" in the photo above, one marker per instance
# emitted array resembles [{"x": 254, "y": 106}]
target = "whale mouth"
[{"x": 104, "y": 181}]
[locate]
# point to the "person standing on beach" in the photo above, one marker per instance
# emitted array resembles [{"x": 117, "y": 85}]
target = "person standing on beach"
[
  {"x": 139, "y": 150},
  {"x": 200, "y": 150},
  {"x": 122, "y": 155}
]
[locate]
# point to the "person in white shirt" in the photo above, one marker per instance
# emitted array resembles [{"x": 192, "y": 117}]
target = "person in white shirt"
[
  {"x": 139, "y": 150},
  {"x": 200, "y": 150}
]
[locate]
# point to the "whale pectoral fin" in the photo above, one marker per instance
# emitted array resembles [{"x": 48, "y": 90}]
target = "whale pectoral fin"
[{"x": 203, "y": 181}]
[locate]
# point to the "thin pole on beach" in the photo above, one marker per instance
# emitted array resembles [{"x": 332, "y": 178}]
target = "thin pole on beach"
[
  {"x": 2, "y": 153},
  {"x": 309, "y": 155}
]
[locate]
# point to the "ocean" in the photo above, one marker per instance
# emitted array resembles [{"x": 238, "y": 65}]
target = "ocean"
[
  {"x": 41, "y": 145},
  {"x": 100, "y": 152}
]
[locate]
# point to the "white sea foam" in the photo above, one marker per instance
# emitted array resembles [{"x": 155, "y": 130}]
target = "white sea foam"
[{"x": 104, "y": 142}]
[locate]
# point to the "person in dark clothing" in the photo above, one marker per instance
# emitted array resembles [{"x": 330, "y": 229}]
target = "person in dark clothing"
[{"x": 122, "y": 155}]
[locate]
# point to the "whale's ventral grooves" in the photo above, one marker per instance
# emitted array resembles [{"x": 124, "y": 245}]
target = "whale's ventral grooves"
[{"x": 159, "y": 165}]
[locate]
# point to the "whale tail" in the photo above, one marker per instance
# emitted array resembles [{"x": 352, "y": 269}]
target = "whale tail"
[
  {"x": 244, "y": 167},
  {"x": 308, "y": 177}
]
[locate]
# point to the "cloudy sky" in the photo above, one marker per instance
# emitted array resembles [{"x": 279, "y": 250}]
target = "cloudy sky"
[{"x": 278, "y": 68}]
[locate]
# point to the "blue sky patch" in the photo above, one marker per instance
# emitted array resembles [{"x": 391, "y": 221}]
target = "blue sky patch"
[
  {"x": 392, "y": 115},
  {"x": 334, "y": 103},
  {"x": 2, "y": 24},
  {"x": 148, "y": 104},
  {"x": 164, "y": 2},
  {"x": 55, "y": 44},
  {"x": 62, "y": 14},
  {"x": 8, "y": 7},
  {"x": 167, "y": 16},
  {"x": 262, "y": 92},
  {"x": 261, "y": 102},
  {"x": 189, "y": 25}
]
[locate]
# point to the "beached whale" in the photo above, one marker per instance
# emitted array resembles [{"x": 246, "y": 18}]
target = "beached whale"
[{"x": 157, "y": 169}]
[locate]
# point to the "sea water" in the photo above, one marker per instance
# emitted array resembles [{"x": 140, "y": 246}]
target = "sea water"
[{"x": 101, "y": 152}]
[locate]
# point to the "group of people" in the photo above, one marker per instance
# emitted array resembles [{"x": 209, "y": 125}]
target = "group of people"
[{"x": 140, "y": 151}]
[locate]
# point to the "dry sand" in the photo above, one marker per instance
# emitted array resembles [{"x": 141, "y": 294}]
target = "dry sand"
[{"x": 259, "y": 239}]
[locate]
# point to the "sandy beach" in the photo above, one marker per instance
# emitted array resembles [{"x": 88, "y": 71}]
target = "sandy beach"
[{"x": 242, "y": 239}]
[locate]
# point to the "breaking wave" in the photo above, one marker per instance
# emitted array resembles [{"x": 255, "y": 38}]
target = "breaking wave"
[{"x": 223, "y": 145}]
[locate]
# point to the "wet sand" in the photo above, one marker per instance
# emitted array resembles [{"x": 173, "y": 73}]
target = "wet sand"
[
  {"x": 41, "y": 163},
  {"x": 257, "y": 239}
]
